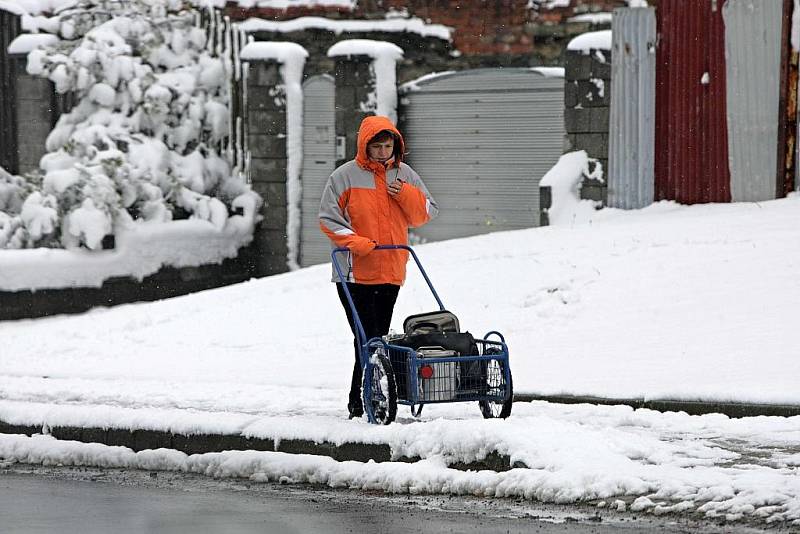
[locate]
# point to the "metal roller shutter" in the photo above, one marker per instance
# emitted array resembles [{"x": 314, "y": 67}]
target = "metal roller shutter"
[
  {"x": 319, "y": 158},
  {"x": 481, "y": 140}
]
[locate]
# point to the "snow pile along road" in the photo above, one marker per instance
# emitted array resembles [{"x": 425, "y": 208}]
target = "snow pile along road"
[{"x": 611, "y": 456}]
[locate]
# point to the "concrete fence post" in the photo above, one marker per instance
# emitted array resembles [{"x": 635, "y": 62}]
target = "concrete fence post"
[
  {"x": 587, "y": 105},
  {"x": 355, "y": 82},
  {"x": 266, "y": 133}
]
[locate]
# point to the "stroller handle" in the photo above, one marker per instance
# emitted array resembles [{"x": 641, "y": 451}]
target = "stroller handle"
[{"x": 361, "y": 336}]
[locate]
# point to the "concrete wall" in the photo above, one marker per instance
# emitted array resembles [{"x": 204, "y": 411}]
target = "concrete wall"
[{"x": 168, "y": 282}]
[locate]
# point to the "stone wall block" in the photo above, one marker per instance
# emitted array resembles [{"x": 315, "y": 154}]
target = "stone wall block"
[
  {"x": 273, "y": 193},
  {"x": 32, "y": 88},
  {"x": 266, "y": 122},
  {"x": 595, "y": 144},
  {"x": 266, "y": 98},
  {"x": 275, "y": 219},
  {"x": 353, "y": 70},
  {"x": 578, "y": 66},
  {"x": 577, "y": 120},
  {"x": 589, "y": 94},
  {"x": 593, "y": 190},
  {"x": 267, "y": 146},
  {"x": 569, "y": 143},
  {"x": 599, "y": 118},
  {"x": 345, "y": 96},
  {"x": 264, "y": 73},
  {"x": 271, "y": 244},
  {"x": 601, "y": 68},
  {"x": 268, "y": 170},
  {"x": 570, "y": 94}
]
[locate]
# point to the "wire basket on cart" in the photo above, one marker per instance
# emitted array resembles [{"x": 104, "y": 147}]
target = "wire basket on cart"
[
  {"x": 444, "y": 374},
  {"x": 431, "y": 362}
]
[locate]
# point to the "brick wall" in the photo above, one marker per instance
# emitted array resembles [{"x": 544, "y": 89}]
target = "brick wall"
[{"x": 486, "y": 33}]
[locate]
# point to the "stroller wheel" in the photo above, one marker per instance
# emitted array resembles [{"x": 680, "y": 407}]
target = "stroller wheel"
[
  {"x": 380, "y": 391},
  {"x": 496, "y": 386}
]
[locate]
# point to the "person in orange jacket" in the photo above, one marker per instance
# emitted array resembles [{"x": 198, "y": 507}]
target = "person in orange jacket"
[{"x": 370, "y": 200}]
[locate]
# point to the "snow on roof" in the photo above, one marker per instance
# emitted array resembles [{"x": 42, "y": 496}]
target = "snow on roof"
[
  {"x": 592, "y": 40},
  {"x": 366, "y": 47},
  {"x": 550, "y": 72},
  {"x": 413, "y": 85},
  {"x": 281, "y": 51},
  {"x": 29, "y": 41},
  {"x": 593, "y": 18},
  {"x": 411, "y": 25}
]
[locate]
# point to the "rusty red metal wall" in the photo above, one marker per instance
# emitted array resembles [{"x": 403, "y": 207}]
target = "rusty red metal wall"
[{"x": 691, "y": 156}]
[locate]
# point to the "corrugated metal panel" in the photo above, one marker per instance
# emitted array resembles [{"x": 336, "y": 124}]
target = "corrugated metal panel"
[
  {"x": 482, "y": 140},
  {"x": 633, "y": 108},
  {"x": 691, "y": 154},
  {"x": 10, "y": 28},
  {"x": 319, "y": 158},
  {"x": 753, "y": 50}
]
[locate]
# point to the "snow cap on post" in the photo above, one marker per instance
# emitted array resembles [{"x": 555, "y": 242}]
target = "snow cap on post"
[
  {"x": 29, "y": 41},
  {"x": 591, "y": 41},
  {"x": 385, "y": 56},
  {"x": 282, "y": 52}
]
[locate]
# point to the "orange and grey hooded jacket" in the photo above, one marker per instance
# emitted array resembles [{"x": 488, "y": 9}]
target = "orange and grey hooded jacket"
[{"x": 357, "y": 212}]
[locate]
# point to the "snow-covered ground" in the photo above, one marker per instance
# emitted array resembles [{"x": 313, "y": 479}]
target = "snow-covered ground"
[{"x": 671, "y": 301}]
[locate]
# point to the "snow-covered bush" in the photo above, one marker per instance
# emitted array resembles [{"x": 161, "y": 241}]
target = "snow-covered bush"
[{"x": 141, "y": 144}]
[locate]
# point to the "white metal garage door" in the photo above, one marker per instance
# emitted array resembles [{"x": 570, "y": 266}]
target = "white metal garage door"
[
  {"x": 319, "y": 158},
  {"x": 481, "y": 140}
]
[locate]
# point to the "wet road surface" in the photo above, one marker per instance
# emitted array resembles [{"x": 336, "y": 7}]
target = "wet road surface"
[{"x": 36, "y": 499}]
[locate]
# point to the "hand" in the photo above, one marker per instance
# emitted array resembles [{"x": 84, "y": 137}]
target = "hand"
[{"x": 395, "y": 187}]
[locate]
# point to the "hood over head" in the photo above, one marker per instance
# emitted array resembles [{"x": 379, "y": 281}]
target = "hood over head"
[{"x": 370, "y": 127}]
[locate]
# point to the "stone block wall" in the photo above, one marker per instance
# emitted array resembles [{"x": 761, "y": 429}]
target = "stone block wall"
[
  {"x": 587, "y": 105},
  {"x": 266, "y": 138},
  {"x": 355, "y": 80}
]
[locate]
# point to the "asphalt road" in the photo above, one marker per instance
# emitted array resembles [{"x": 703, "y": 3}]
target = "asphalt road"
[{"x": 36, "y": 499}]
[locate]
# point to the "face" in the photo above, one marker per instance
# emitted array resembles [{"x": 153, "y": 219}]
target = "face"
[{"x": 380, "y": 151}]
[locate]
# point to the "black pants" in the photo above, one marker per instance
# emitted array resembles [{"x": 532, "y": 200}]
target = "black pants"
[{"x": 375, "y": 304}]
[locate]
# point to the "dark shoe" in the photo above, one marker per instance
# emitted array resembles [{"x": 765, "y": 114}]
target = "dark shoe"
[{"x": 356, "y": 410}]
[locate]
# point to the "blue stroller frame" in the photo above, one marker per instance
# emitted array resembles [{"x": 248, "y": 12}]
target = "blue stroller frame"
[{"x": 416, "y": 376}]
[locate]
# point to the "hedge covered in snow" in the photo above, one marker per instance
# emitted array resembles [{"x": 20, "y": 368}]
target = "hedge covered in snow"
[{"x": 141, "y": 145}]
